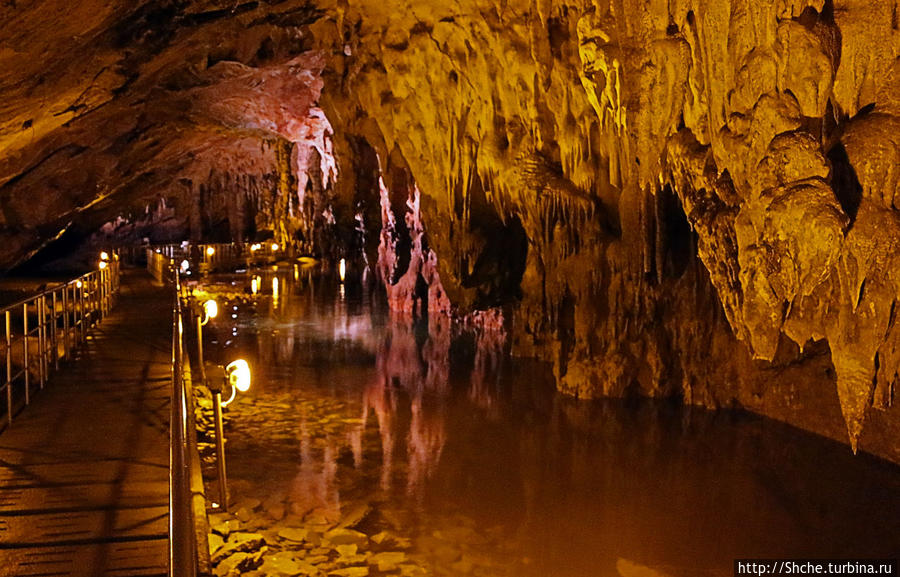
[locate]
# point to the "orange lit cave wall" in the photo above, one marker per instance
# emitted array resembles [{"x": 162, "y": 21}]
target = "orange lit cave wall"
[
  {"x": 692, "y": 198},
  {"x": 669, "y": 198}
]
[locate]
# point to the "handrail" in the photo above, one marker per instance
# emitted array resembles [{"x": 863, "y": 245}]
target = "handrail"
[
  {"x": 183, "y": 554},
  {"x": 209, "y": 256},
  {"x": 36, "y": 327}
]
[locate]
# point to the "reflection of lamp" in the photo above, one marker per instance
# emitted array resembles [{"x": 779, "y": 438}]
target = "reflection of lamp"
[
  {"x": 342, "y": 269},
  {"x": 237, "y": 376},
  {"x": 275, "y": 287}
]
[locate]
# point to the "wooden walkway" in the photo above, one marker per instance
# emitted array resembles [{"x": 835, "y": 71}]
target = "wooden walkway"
[{"x": 84, "y": 485}]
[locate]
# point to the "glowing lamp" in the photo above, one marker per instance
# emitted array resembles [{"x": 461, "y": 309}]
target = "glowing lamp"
[
  {"x": 185, "y": 265},
  {"x": 210, "y": 250},
  {"x": 274, "y": 247},
  {"x": 275, "y": 287},
  {"x": 104, "y": 255},
  {"x": 254, "y": 247},
  {"x": 102, "y": 264},
  {"x": 342, "y": 268},
  {"x": 211, "y": 308},
  {"x": 238, "y": 374},
  {"x": 79, "y": 284},
  {"x": 254, "y": 285}
]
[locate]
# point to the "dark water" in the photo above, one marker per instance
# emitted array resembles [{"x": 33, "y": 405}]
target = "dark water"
[{"x": 439, "y": 437}]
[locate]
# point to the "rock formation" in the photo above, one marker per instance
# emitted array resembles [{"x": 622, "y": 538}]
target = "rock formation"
[{"x": 690, "y": 198}]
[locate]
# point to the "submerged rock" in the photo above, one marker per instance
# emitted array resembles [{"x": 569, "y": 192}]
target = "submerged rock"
[
  {"x": 215, "y": 542},
  {"x": 239, "y": 542},
  {"x": 350, "y": 572},
  {"x": 294, "y": 534},
  {"x": 346, "y": 537}
]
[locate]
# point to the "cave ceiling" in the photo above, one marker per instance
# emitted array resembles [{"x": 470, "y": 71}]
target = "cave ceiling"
[{"x": 758, "y": 138}]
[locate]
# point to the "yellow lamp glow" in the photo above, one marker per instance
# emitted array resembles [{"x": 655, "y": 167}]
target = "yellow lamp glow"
[
  {"x": 79, "y": 284},
  {"x": 254, "y": 247},
  {"x": 185, "y": 265},
  {"x": 254, "y": 285},
  {"x": 238, "y": 373},
  {"x": 210, "y": 250},
  {"x": 211, "y": 308},
  {"x": 274, "y": 247},
  {"x": 102, "y": 264},
  {"x": 342, "y": 268},
  {"x": 104, "y": 255}
]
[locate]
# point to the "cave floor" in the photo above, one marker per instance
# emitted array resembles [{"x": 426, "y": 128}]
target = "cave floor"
[{"x": 84, "y": 468}]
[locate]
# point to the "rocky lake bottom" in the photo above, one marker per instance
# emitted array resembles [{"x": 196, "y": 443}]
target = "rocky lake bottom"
[{"x": 375, "y": 445}]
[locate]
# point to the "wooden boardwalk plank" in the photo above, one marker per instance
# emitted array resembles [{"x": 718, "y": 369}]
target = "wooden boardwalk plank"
[{"x": 84, "y": 469}]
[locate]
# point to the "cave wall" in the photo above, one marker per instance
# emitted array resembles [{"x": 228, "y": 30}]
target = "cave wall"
[
  {"x": 109, "y": 105},
  {"x": 671, "y": 198},
  {"x": 706, "y": 187}
]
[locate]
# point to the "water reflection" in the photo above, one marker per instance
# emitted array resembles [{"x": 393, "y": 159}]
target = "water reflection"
[{"x": 440, "y": 438}]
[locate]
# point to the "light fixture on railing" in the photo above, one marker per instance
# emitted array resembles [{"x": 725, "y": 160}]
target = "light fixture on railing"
[
  {"x": 103, "y": 264},
  {"x": 104, "y": 255},
  {"x": 78, "y": 284},
  {"x": 237, "y": 376},
  {"x": 210, "y": 310}
]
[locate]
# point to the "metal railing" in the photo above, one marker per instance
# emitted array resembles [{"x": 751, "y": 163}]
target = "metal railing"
[
  {"x": 47, "y": 327},
  {"x": 183, "y": 553},
  {"x": 215, "y": 256}
]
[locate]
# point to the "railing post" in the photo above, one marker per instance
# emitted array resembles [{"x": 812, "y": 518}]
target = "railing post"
[
  {"x": 66, "y": 301},
  {"x": 39, "y": 306},
  {"x": 54, "y": 331},
  {"x": 81, "y": 311},
  {"x": 25, "y": 353},
  {"x": 9, "y": 407},
  {"x": 101, "y": 278},
  {"x": 98, "y": 295},
  {"x": 93, "y": 301},
  {"x": 106, "y": 272}
]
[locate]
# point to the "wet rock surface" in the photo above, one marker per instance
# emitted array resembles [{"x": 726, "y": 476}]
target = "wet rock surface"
[
  {"x": 310, "y": 545},
  {"x": 355, "y": 538},
  {"x": 691, "y": 199}
]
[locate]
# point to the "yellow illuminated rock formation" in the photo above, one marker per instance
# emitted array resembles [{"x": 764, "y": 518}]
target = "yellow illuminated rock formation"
[{"x": 680, "y": 197}]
